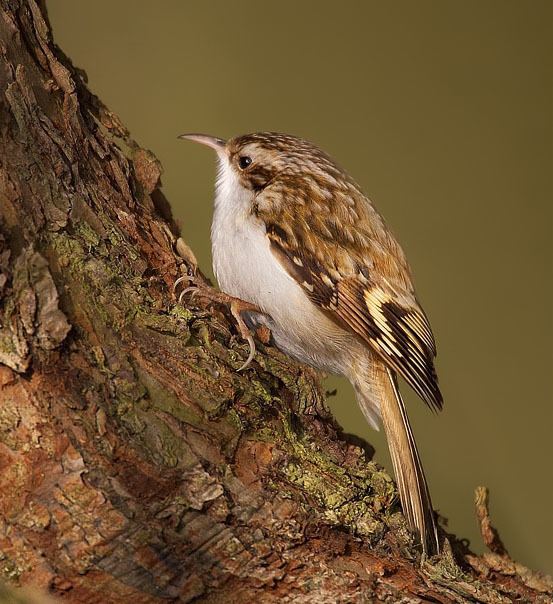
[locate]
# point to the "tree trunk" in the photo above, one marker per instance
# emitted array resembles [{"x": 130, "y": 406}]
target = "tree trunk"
[{"x": 136, "y": 463}]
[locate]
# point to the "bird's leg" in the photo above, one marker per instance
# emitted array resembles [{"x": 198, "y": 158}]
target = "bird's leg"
[{"x": 237, "y": 307}]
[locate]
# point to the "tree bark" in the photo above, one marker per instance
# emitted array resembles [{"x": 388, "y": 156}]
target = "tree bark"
[{"x": 136, "y": 463}]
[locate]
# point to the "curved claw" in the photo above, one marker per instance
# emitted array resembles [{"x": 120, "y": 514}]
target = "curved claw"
[
  {"x": 187, "y": 290},
  {"x": 180, "y": 280},
  {"x": 192, "y": 279},
  {"x": 251, "y": 356}
]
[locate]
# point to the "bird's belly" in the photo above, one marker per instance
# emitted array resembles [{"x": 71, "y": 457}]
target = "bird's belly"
[{"x": 246, "y": 268}]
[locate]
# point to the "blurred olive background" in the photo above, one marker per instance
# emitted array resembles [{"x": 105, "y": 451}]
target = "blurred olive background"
[{"x": 442, "y": 111}]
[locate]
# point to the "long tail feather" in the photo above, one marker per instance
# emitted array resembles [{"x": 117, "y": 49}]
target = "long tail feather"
[{"x": 411, "y": 482}]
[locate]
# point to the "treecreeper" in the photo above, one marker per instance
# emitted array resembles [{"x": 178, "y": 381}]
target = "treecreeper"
[{"x": 299, "y": 249}]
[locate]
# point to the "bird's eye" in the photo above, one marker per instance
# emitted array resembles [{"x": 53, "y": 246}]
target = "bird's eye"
[{"x": 244, "y": 161}]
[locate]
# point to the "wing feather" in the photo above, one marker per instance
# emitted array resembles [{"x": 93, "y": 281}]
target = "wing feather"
[{"x": 380, "y": 309}]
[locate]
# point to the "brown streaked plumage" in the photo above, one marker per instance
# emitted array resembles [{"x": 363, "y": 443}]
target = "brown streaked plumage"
[{"x": 295, "y": 235}]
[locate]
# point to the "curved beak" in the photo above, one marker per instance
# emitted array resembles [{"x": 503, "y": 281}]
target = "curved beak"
[{"x": 211, "y": 141}]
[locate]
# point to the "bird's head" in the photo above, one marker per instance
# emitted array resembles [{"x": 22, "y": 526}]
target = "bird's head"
[{"x": 252, "y": 162}]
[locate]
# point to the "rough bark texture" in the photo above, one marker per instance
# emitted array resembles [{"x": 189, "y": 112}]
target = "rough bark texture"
[{"x": 136, "y": 464}]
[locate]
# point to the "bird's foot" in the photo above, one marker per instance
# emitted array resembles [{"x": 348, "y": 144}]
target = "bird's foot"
[
  {"x": 195, "y": 285},
  {"x": 237, "y": 307}
]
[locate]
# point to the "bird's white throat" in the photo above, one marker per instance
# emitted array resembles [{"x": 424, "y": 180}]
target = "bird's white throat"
[{"x": 242, "y": 259}]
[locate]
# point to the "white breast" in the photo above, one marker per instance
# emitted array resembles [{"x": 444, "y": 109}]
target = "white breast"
[{"x": 246, "y": 268}]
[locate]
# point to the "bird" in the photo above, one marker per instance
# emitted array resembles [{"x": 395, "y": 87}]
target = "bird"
[{"x": 301, "y": 250}]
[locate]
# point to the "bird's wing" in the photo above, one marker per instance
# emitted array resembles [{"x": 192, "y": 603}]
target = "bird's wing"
[{"x": 360, "y": 277}]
